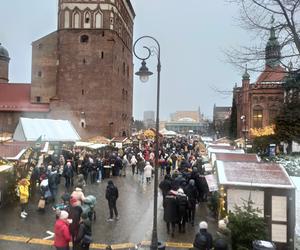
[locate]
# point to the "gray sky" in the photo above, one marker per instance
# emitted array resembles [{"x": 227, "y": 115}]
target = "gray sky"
[{"x": 192, "y": 35}]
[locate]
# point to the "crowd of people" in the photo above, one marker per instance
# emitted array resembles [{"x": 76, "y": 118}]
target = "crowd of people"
[{"x": 183, "y": 186}]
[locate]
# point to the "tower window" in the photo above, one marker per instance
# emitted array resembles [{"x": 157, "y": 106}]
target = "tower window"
[
  {"x": 40, "y": 74},
  {"x": 103, "y": 33},
  {"x": 87, "y": 20},
  {"x": 102, "y": 54},
  {"x": 82, "y": 92},
  {"x": 84, "y": 39},
  {"x": 84, "y": 61},
  {"x": 38, "y": 99},
  {"x": 82, "y": 124}
]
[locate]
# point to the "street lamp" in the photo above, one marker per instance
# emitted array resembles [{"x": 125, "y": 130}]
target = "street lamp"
[
  {"x": 144, "y": 74},
  {"x": 244, "y": 130}
]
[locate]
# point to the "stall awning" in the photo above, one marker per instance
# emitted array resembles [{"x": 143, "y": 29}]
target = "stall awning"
[{"x": 4, "y": 168}]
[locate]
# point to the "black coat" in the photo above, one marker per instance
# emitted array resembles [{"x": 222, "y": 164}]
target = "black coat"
[
  {"x": 203, "y": 240},
  {"x": 165, "y": 186},
  {"x": 192, "y": 193},
  {"x": 182, "y": 203},
  {"x": 85, "y": 228},
  {"x": 112, "y": 193},
  {"x": 75, "y": 213},
  {"x": 171, "y": 211}
]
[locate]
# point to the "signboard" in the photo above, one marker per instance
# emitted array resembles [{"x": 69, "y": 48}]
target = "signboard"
[{"x": 119, "y": 145}]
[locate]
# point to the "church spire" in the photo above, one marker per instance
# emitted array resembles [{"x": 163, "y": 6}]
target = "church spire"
[{"x": 273, "y": 48}]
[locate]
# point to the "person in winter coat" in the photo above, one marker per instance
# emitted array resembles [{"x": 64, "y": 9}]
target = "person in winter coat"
[
  {"x": 165, "y": 186},
  {"x": 141, "y": 165},
  {"x": 53, "y": 181},
  {"x": 75, "y": 213},
  {"x": 78, "y": 195},
  {"x": 62, "y": 235},
  {"x": 133, "y": 163},
  {"x": 182, "y": 201},
  {"x": 148, "y": 172},
  {"x": 112, "y": 194},
  {"x": 23, "y": 190},
  {"x": 68, "y": 173},
  {"x": 125, "y": 164},
  {"x": 192, "y": 194},
  {"x": 84, "y": 236},
  {"x": 203, "y": 239},
  {"x": 118, "y": 166},
  {"x": 171, "y": 212}
]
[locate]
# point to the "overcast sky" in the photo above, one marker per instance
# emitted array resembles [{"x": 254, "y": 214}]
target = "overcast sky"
[{"x": 192, "y": 35}]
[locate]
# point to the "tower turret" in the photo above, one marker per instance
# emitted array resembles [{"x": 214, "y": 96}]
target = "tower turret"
[
  {"x": 4, "y": 64},
  {"x": 273, "y": 49}
]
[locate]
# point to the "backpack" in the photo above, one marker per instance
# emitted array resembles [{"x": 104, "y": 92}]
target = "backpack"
[{"x": 201, "y": 242}]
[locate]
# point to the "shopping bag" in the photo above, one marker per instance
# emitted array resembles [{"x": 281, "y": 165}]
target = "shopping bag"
[{"x": 41, "y": 204}]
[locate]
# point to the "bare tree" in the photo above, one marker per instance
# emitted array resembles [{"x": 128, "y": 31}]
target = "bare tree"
[{"x": 259, "y": 16}]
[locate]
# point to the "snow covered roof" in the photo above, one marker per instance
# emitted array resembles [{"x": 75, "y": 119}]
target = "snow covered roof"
[
  {"x": 51, "y": 130},
  {"x": 237, "y": 157},
  {"x": 253, "y": 174}
]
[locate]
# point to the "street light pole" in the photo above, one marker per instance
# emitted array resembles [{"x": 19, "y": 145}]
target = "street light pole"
[{"x": 144, "y": 74}]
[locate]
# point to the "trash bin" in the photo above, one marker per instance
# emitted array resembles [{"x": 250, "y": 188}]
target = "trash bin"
[{"x": 263, "y": 245}]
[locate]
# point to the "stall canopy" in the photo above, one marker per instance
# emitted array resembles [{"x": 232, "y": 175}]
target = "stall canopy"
[{"x": 48, "y": 129}]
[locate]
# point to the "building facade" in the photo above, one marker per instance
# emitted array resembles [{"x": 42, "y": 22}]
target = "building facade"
[
  {"x": 257, "y": 104},
  {"x": 83, "y": 71}
]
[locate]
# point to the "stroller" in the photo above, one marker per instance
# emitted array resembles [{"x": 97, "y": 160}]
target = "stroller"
[{"x": 88, "y": 207}]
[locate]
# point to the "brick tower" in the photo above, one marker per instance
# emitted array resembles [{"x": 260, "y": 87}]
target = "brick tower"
[{"x": 84, "y": 70}]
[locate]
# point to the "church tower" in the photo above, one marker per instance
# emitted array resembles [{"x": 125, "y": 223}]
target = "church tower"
[{"x": 85, "y": 68}]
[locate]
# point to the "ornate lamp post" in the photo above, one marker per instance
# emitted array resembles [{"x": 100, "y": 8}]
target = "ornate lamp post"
[{"x": 144, "y": 74}]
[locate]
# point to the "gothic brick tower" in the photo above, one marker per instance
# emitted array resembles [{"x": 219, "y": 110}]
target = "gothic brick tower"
[{"x": 85, "y": 68}]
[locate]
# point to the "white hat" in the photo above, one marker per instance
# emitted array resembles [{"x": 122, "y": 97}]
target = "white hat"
[
  {"x": 203, "y": 225},
  {"x": 64, "y": 215},
  {"x": 180, "y": 191}
]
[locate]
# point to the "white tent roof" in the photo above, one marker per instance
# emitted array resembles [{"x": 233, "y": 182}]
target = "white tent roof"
[{"x": 50, "y": 130}]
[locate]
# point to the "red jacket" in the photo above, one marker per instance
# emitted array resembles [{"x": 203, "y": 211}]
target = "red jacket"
[{"x": 62, "y": 234}]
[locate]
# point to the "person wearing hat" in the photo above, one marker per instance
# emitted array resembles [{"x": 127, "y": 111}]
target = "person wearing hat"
[
  {"x": 182, "y": 202},
  {"x": 112, "y": 194},
  {"x": 62, "y": 234},
  {"x": 203, "y": 239},
  {"x": 84, "y": 236}
]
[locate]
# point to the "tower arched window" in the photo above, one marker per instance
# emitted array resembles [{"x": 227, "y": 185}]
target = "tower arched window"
[
  {"x": 257, "y": 117},
  {"x": 76, "y": 20},
  {"x": 87, "y": 20},
  {"x": 98, "y": 20},
  {"x": 67, "y": 19},
  {"x": 84, "y": 39}
]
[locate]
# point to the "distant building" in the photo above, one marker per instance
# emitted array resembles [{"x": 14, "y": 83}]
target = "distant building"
[
  {"x": 257, "y": 104},
  {"x": 195, "y": 115},
  {"x": 221, "y": 117},
  {"x": 187, "y": 125},
  {"x": 149, "y": 119},
  {"x": 82, "y": 72}
]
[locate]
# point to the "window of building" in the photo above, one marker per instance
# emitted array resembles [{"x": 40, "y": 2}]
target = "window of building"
[
  {"x": 82, "y": 124},
  {"x": 84, "y": 61},
  {"x": 82, "y": 92},
  {"x": 67, "y": 19},
  {"x": 38, "y": 99},
  {"x": 257, "y": 117},
  {"x": 273, "y": 112},
  {"x": 98, "y": 21},
  {"x": 39, "y": 73},
  {"x": 124, "y": 68},
  {"x": 76, "y": 23},
  {"x": 84, "y": 39},
  {"x": 102, "y": 54}
]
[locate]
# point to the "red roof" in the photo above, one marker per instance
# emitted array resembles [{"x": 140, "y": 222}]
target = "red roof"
[
  {"x": 16, "y": 97},
  {"x": 253, "y": 174},
  {"x": 12, "y": 149},
  {"x": 270, "y": 74},
  {"x": 237, "y": 157}
]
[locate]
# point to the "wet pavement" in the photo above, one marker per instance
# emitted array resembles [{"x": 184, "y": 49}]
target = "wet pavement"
[{"x": 135, "y": 206}]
